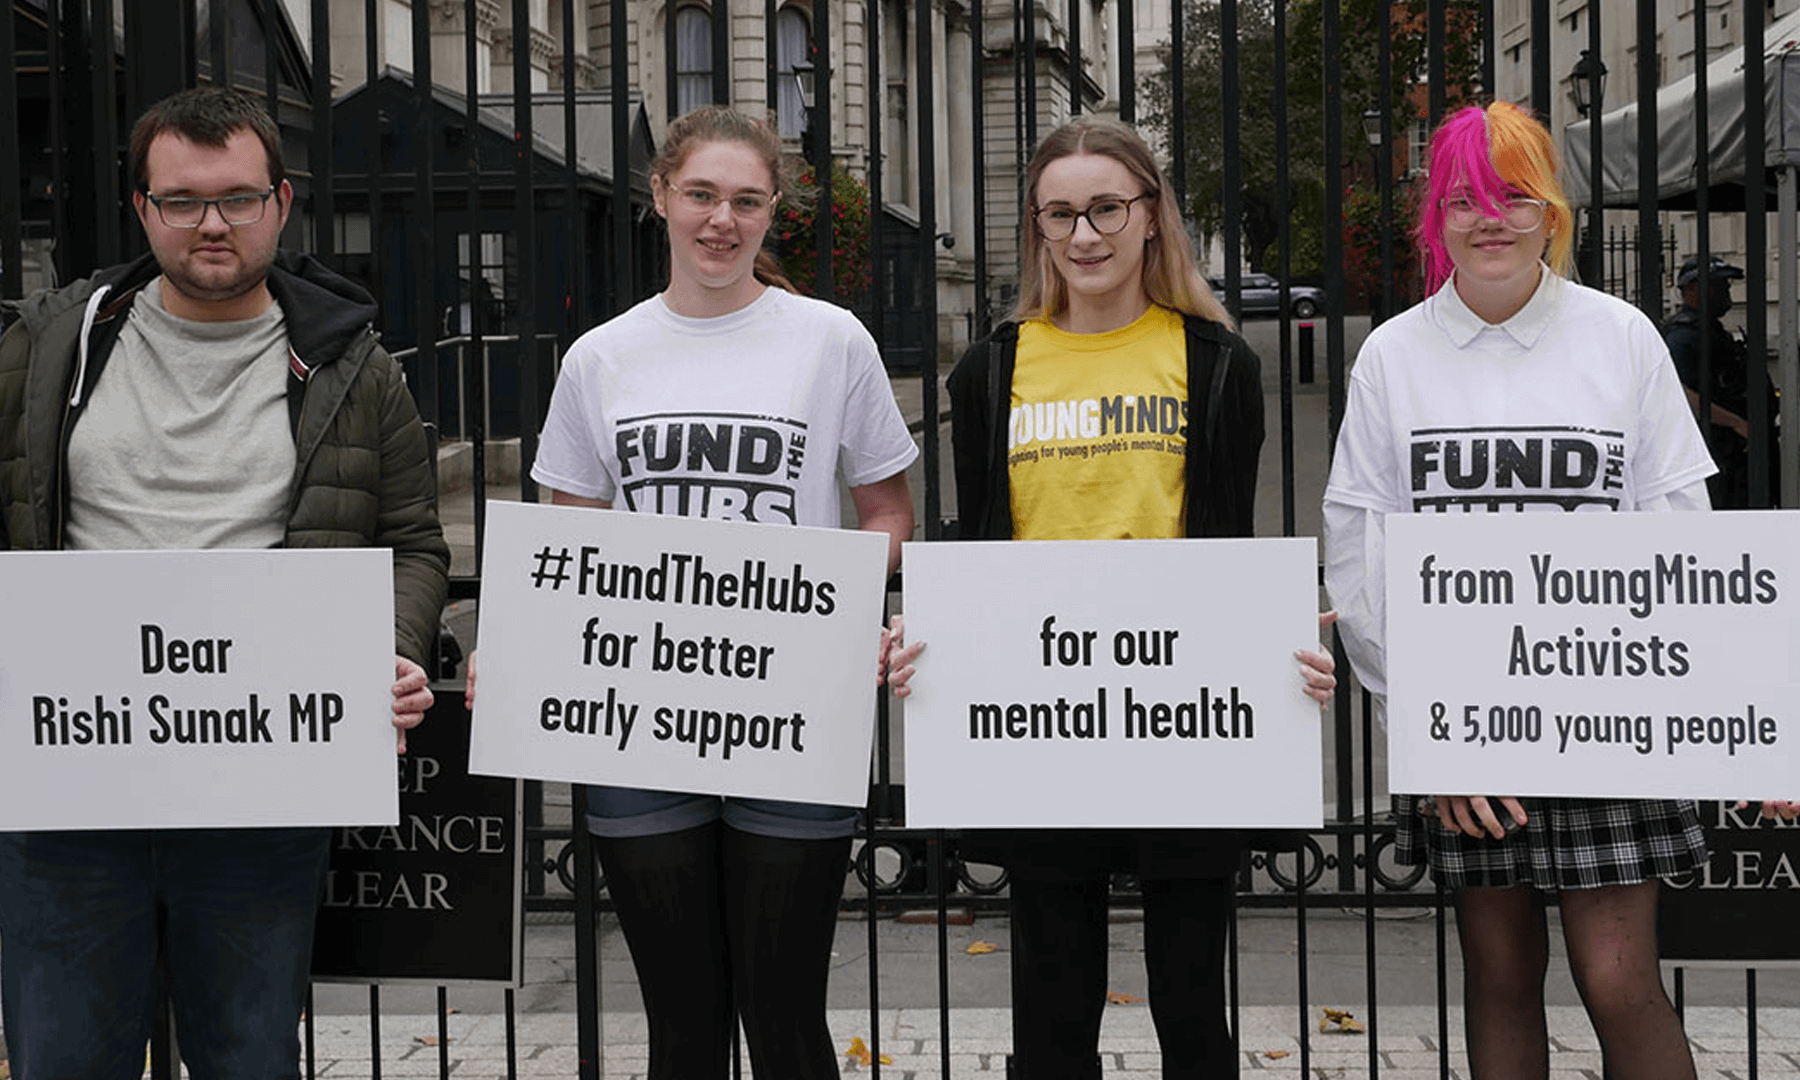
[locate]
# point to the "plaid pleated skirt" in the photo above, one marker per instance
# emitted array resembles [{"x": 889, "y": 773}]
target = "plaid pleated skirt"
[{"x": 1566, "y": 844}]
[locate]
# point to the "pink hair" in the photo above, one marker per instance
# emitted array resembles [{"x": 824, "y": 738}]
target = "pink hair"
[{"x": 1491, "y": 154}]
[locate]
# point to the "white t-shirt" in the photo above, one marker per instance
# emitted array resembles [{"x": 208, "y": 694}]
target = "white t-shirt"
[
  {"x": 1572, "y": 404},
  {"x": 748, "y": 416}
]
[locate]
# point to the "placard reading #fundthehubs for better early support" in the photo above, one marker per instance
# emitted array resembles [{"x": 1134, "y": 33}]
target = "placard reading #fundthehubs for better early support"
[
  {"x": 1603, "y": 655},
  {"x": 679, "y": 654},
  {"x": 1112, "y": 684},
  {"x": 186, "y": 689}
]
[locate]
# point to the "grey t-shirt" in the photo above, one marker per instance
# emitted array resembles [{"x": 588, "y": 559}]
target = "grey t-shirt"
[{"x": 184, "y": 442}]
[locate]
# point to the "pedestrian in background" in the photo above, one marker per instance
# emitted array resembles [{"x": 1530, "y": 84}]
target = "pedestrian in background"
[
  {"x": 1506, "y": 342},
  {"x": 1111, "y": 304},
  {"x": 1729, "y": 379},
  {"x": 727, "y": 901}
]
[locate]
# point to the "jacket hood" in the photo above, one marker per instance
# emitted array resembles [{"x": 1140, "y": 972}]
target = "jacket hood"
[
  {"x": 46, "y": 304},
  {"x": 326, "y": 312}
]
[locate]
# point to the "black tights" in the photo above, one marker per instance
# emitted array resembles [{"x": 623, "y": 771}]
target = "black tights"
[
  {"x": 1059, "y": 946},
  {"x": 1611, "y": 936},
  {"x": 710, "y": 910}
]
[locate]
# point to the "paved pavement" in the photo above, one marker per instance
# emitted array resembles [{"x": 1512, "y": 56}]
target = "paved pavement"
[{"x": 1406, "y": 1031}]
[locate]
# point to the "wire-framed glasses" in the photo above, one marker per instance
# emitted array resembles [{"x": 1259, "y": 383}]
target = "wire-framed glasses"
[
  {"x": 1518, "y": 213},
  {"x": 1106, "y": 216},
  {"x": 704, "y": 200},
  {"x": 186, "y": 212}
]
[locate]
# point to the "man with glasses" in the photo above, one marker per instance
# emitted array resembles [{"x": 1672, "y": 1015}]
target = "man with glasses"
[{"x": 216, "y": 393}]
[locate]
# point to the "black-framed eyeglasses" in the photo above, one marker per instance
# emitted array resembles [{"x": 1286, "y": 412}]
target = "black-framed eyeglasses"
[
  {"x": 1105, "y": 216},
  {"x": 187, "y": 212}
]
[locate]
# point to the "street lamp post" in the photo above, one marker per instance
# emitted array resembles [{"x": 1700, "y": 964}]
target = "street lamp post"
[
  {"x": 1374, "y": 130},
  {"x": 1587, "y": 81},
  {"x": 803, "y": 83}
]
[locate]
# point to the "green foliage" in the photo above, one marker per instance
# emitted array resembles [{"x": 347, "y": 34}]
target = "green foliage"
[
  {"x": 1264, "y": 202},
  {"x": 796, "y": 235}
]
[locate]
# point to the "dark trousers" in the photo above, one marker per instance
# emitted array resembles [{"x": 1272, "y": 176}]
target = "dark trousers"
[
  {"x": 91, "y": 922},
  {"x": 1059, "y": 942}
]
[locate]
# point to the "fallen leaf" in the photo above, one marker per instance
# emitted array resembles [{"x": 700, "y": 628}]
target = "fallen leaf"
[
  {"x": 1340, "y": 1022},
  {"x": 452, "y": 1010},
  {"x": 1276, "y": 1055},
  {"x": 981, "y": 948},
  {"x": 426, "y": 1040},
  {"x": 859, "y": 1053},
  {"x": 1115, "y": 997}
]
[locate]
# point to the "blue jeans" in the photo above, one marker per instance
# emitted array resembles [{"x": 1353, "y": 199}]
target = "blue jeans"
[
  {"x": 86, "y": 918},
  {"x": 626, "y": 812}
]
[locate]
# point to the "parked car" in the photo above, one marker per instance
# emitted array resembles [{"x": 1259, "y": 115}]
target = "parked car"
[{"x": 1262, "y": 296}]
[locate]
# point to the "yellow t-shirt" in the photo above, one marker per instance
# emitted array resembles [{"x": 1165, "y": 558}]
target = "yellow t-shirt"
[{"x": 1097, "y": 434}]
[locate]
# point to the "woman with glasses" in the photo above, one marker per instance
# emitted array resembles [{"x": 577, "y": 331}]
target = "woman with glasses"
[
  {"x": 728, "y": 905},
  {"x": 1110, "y": 305},
  {"x": 1505, "y": 342}
]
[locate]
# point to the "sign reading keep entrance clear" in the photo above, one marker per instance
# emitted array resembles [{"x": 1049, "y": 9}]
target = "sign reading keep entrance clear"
[
  {"x": 1142, "y": 683},
  {"x": 188, "y": 689},
  {"x": 680, "y": 654},
  {"x": 1605, "y": 655}
]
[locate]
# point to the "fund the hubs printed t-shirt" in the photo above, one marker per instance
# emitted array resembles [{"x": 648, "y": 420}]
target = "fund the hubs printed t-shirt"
[
  {"x": 1097, "y": 431},
  {"x": 747, "y": 417},
  {"x": 1570, "y": 405}
]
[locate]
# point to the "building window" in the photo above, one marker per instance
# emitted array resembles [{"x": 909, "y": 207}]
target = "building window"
[
  {"x": 793, "y": 40},
  {"x": 693, "y": 58},
  {"x": 1418, "y": 145}
]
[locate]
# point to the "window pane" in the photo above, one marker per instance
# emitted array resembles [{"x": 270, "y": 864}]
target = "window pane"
[{"x": 693, "y": 58}]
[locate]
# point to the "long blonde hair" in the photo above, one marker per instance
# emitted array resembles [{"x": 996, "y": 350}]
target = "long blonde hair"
[
  {"x": 1171, "y": 277},
  {"x": 721, "y": 123}
]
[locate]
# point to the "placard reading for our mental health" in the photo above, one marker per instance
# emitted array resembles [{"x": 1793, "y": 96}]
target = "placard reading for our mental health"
[
  {"x": 187, "y": 689},
  {"x": 1111, "y": 684},
  {"x": 680, "y": 654},
  {"x": 1605, "y": 655}
]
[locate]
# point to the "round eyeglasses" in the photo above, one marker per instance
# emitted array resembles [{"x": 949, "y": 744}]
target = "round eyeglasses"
[
  {"x": 745, "y": 204},
  {"x": 1105, "y": 216},
  {"x": 1517, "y": 213},
  {"x": 184, "y": 212}
]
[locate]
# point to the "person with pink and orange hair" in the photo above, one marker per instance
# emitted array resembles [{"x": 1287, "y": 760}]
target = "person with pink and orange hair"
[{"x": 1452, "y": 405}]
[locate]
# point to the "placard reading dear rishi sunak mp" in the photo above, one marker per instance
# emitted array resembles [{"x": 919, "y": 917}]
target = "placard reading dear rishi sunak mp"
[
  {"x": 1112, "y": 684},
  {"x": 678, "y": 653},
  {"x": 191, "y": 689},
  {"x": 1599, "y": 655}
]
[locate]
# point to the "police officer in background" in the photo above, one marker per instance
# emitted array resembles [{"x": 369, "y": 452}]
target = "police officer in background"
[{"x": 1729, "y": 377}]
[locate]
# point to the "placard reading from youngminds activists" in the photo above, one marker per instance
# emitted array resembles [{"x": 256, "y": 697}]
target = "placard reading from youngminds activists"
[
  {"x": 188, "y": 689},
  {"x": 1112, "y": 684},
  {"x": 676, "y": 653},
  {"x": 1602, "y": 655}
]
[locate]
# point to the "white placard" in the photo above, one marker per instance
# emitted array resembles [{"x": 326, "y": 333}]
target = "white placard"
[
  {"x": 1604, "y": 655},
  {"x": 189, "y": 689},
  {"x": 678, "y": 654},
  {"x": 1143, "y": 683}
]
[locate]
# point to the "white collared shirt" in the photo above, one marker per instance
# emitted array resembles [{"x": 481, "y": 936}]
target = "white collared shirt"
[{"x": 1572, "y": 404}]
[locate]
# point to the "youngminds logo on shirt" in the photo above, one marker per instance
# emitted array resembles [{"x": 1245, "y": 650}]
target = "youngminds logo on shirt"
[
  {"x": 726, "y": 466},
  {"x": 1516, "y": 468}
]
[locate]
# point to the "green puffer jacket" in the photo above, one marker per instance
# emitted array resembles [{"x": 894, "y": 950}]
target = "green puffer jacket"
[{"x": 362, "y": 478}]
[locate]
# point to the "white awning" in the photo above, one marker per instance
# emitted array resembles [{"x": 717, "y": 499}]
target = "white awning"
[{"x": 1677, "y": 134}]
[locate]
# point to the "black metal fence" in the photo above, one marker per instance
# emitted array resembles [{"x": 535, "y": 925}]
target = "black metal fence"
[{"x": 483, "y": 215}]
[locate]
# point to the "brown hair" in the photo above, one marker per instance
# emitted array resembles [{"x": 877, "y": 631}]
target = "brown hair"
[
  {"x": 721, "y": 123},
  {"x": 205, "y": 116},
  {"x": 1170, "y": 276}
]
